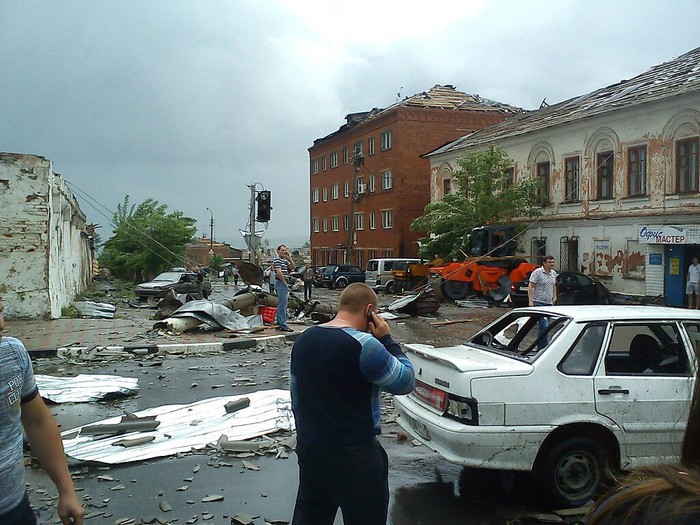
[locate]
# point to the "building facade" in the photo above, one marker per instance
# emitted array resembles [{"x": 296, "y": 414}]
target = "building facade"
[
  {"x": 200, "y": 251},
  {"x": 618, "y": 167},
  {"x": 45, "y": 250},
  {"x": 369, "y": 181}
]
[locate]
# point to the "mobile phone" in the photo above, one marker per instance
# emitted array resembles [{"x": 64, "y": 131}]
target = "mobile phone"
[{"x": 369, "y": 315}]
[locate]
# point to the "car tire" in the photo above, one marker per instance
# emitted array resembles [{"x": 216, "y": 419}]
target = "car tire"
[
  {"x": 341, "y": 282},
  {"x": 455, "y": 290},
  {"x": 389, "y": 288},
  {"x": 573, "y": 472}
]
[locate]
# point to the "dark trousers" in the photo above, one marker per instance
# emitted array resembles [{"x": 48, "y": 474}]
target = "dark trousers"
[
  {"x": 354, "y": 479},
  {"x": 22, "y": 514},
  {"x": 307, "y": 290}
]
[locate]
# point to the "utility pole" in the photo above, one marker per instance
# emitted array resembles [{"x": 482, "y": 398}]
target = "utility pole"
[
  {"x": 211, "y": 231},
  {"x": 357, "y": 161},
  {"x": 253, "y": 240}
]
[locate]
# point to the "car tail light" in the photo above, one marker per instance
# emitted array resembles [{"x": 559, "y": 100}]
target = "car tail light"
[
  {"x": 434, "y": 397},
  {"x": 463, "y": 409}
]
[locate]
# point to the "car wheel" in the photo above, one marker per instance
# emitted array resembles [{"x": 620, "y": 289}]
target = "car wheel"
[
  {"x": 573, "y": 472},
  {"x": 342, "y": 282},
  {"x": 390, "y": 287},
  {"x": 455, "y": 290}
]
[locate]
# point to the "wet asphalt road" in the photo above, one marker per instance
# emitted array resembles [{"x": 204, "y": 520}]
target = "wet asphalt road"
[{"x": 424, "y": 487}]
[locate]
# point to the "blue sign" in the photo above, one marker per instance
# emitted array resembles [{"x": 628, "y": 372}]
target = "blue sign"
[{"x": 655, "y": 259}]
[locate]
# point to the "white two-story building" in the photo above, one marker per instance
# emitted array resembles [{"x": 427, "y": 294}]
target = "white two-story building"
[{"x": 620, "y": 195}]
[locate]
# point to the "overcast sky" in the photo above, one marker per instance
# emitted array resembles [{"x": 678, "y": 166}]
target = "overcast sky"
[{"x": 187, "y": 102}]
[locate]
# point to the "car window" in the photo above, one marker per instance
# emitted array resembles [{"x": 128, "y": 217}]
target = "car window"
[
  {"x": 354, "y": 269},
  {"x": 519, "y": 334},
  {"x": 388, "y": 265},
  {"x": 372, "y": 266},
  {"x": 582, "y": 357},
  {"x": 693, "y": 330},
  {"x": 646, "y": 349}
]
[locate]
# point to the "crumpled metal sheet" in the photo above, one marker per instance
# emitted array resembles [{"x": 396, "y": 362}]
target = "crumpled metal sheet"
[
  {"x": 85, "y": 387},
  {"x": 93, "y": 309},
  {"x": 187, "y": 427},
  {"x": 211, "y": 313}
]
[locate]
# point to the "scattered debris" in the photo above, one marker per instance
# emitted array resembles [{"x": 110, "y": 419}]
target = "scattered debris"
[
  {"x": 450, "y": 321},
  {"x": 472, "y": 303},
  {"x": 269, "y": 411},
  {"x": 92, "y": 309},
  {"x": 422, "y": 303},
  {"x": 85, "y": 387}
]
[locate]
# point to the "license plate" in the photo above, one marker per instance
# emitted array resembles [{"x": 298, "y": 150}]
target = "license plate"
[
  {"x": 419, "y": 427},
  {"x": 523, "y": 288}
]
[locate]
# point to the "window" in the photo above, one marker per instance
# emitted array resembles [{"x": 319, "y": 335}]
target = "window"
[
  {"x": 637, "y": 170},
  {"x": 325, "y": 224},
  {"x": 315, "y": 223},
  {"x": 314, "y": 195},
  {"x": 372, "y": 254},
  {"x": 583, "y": 355},
  {"x": 538, "y": 249},
  {"x": 314, "y": 166},
  {"x": 372, "y": 222},
  {"x": 371, "y": 184},
  {"x": 334, "y": 191},
  {"x": 360, "y": 221},
  {"x": 387, "y": 219},
  {"x": 646, "y": 349},
  {"x": 357, "y": 149},
  {"x": 324, "y": 167},
  {"x": 568, "y": 254},
  {"x": 346, "y": 156},
  {"x": 370, "y": 146},
  {"x": 325, "y": 194},
  {"x": 346, "y": 222},
  {"x": 605, "y": 164},
  {"x": 335, "y": 223},
  {"x": 571, "y": 165},
  {"x": 387, "y": 180},
  {"x": 386, "y": 140},
  {"x": 346, "y": 189},
  {"x": 446, "y": 186},
  {"x": 334, "y": 159},
  {"x": 687, "y": 165},
  {"x": 543, "y": 178},
  {"x": 510, "y": 178}
]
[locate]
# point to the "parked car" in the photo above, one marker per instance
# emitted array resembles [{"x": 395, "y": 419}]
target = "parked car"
[
  {"x": 340, "y": 275},
  {"x": 180, "y": 282},
  {"x": 610, "y": 390},
  {"x": 318, "y": 275},
  {"x": 378, "y": 273},
  {"x": 572, "y": 288}
]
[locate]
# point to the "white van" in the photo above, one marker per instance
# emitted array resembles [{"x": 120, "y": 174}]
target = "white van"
[{"x": 378, "y": 273}]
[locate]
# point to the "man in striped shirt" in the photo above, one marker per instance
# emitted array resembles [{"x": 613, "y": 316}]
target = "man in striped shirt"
[
  {"x": 282, "y": 265},
  {"x": 337, "y": 372}
]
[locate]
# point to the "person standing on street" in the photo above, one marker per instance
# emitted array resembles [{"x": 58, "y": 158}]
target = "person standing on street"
[
  {"x": 542, "y": 291},
  {"x": 336, "y": 373},
  {"x": 308, "y": 278},
  {"x": 282, "y": 265},
  {"x": 692, "y": 286},
  {"x": 21, "y": 407},
  {"x": 236, "y": 274}
]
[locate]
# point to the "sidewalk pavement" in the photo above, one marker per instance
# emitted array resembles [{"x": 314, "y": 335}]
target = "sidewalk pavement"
[{"x": 44, "y": 338}]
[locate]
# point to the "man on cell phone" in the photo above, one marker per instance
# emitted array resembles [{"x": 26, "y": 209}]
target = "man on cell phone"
[{"x": 337, "y": 371}]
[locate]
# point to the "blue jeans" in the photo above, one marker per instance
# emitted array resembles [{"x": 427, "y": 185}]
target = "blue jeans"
[
  {"x": 22, "y": 514},
  {"x": 543, "y": 325},
  {"x": 282, "y": 297}
]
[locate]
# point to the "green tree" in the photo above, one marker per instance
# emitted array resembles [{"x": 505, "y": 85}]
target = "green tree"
[
  {"x": 216, "y": 262},
  {"x": 485, "y": 195},
  {"x": 146, "y": 240}
]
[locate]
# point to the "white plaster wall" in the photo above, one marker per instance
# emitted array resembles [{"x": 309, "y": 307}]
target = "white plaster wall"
[
  {"x": 656, "y": 125},
  {"x": 44, "y": 261}
]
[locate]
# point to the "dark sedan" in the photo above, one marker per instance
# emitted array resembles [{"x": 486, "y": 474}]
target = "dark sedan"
[{"x": 572, "y": 288}]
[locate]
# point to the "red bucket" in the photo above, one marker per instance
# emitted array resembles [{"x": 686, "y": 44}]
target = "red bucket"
[{"x": 268, "y": 313}]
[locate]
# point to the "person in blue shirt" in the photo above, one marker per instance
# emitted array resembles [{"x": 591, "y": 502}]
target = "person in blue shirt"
[{"x": 337, "y": 372}]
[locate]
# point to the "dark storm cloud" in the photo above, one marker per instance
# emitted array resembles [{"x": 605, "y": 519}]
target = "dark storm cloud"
[{"x": 187, "y": 102}]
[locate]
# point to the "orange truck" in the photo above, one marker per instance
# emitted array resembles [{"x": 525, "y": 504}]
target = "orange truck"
[{"x": 489, "y": 270}]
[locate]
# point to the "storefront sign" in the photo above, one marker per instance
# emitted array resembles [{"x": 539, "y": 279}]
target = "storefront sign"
[{"x": 665, "y": 235}]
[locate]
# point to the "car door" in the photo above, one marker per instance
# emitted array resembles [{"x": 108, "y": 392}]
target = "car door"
[{"x": 645, "y": 389}]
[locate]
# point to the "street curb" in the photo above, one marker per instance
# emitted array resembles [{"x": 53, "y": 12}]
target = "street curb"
[{"x": 260, "y": 343}]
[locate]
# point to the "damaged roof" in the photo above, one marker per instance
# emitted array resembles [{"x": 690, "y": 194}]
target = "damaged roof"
[
  {"x": 438, "y": 97},
  {"x": 670, "y": 79}
]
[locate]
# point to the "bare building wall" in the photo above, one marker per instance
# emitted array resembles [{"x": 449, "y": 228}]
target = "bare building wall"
[{"x": 45, "y": 258}]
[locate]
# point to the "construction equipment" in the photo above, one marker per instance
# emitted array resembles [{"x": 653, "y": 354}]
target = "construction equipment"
[
  {"x": 489, "y": 270},
  {"x": 409, "y": 276}
]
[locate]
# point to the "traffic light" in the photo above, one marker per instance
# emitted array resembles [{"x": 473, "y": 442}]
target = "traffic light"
[{"x": 264, "y": 207}]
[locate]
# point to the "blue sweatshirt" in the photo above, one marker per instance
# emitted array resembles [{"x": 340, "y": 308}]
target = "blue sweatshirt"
[{"x": 336, "y": 377}]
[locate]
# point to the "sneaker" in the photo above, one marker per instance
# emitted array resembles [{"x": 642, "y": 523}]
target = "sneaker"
[{"x": 284, "y": 329}]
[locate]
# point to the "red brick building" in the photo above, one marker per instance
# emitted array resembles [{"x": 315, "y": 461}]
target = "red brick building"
[{"x": 369, "y": 181}]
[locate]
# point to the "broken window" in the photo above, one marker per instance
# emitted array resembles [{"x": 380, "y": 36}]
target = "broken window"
[
  {"x": 637, "y": 170},
  {"x": 571, "y": 165},
  {"x": 543, "y": 178},
  {"x": 605, "y": 162},
  {"x": 687, "y": 165}
]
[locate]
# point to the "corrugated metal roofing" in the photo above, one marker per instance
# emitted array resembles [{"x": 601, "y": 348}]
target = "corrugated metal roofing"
[{"x": 678, "y": 76}]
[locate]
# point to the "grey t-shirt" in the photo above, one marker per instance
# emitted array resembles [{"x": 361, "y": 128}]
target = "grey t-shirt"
[{"x": 17, "y": 385}]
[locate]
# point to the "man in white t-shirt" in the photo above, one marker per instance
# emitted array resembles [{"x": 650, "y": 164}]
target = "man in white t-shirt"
[{"x": 692, "y": 285}]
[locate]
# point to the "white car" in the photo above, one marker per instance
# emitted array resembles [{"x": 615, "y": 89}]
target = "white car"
[{"x": 610, "y": 390}]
